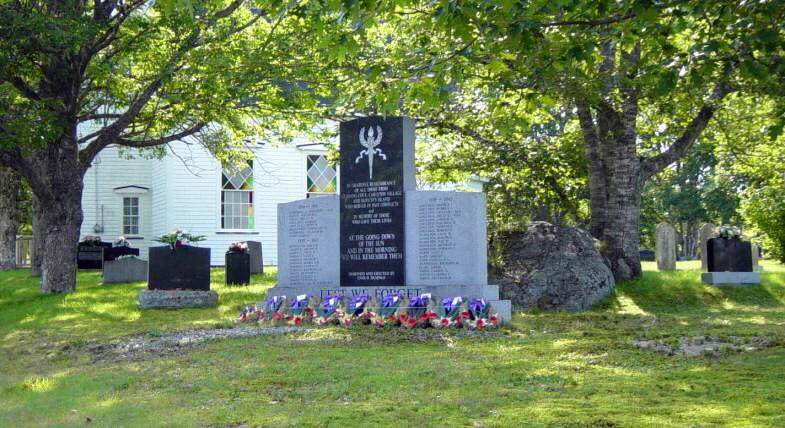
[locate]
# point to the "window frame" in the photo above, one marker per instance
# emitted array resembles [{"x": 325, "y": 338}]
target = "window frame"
[
  {"x": 252, "y": 191},
  {"x": 125, "y": 216},
  {"x": 308, "y": 193}
]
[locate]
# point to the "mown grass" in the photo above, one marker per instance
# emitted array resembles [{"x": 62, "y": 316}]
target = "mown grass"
[{"x": 556, "y": 369}]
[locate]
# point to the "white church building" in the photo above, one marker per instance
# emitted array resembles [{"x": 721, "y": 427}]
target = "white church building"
[{"x": 141, "y": 198}]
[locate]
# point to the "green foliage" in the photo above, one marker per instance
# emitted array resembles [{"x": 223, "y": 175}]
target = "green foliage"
[{"x": 765, "y": 209}]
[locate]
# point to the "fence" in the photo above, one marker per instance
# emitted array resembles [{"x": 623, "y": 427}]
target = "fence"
[{"x": 24, "y": 251}]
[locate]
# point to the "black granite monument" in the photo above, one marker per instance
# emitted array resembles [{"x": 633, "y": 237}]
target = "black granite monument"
[
  {"x": 375, "y": 153},
  {"x": 238, "y": 268},
  {"x": 728, "y": 255},
  {"x": 184, "y": 268}
]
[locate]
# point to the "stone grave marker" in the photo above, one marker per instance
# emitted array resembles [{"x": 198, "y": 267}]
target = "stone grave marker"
[
  {"x": 381, "y": 235},
  {"x": 666, "y": 246},
  {"x": 257, "y": 260},
  {"x": 706, "y": 232},
  {"x": 125, "y": 269}
]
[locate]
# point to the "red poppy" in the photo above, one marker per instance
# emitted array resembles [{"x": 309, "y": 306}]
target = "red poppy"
[
  {"x": 378, "y": 323},
  {"x": 444, "y": 322},
  {"x": 425, "y": 317},
  {"x": 347, "y": 321},
  {"x": 308, "y": 311},
  {"x": 298, "y": 321},
  {"x": 276, "y": 316},
  {"x": 391, "y": 318},
  {"x": 411, "y": 322},
  {"x": 244, "y": 318},
  {"x": 288, "y": 318},
  {"x": 493, "y": 319},
  {"x": 466, "y": 314},
  {"x": 479, "y": 324},
  {"x": 403, "y": 317},
  {"x": 432, "y": 315},
  {"x": 178, "y": 244}
]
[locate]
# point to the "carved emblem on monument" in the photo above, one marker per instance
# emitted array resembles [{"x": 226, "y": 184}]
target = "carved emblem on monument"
[{"x": 370, "y": 139}]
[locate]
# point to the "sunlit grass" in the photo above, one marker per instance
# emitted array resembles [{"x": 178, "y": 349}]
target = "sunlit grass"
[{"x": 560, "y": 369}]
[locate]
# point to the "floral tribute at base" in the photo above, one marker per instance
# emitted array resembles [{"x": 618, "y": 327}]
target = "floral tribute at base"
[{"x": 392, "y": 310}]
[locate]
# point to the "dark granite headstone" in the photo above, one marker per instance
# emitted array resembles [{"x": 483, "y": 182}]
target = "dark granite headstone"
[
  {"x": 186, "y": 268},
  {"x": 728, "y": 255},
  {"x": 91, "y": 256},
  {"x": 257, "y": 260},
  {"x": 238, "y": 268},
  {"x": 377, "y": 166}
]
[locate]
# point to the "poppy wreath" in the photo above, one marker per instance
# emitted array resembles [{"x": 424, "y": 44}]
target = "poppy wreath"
[
  {"x": 299, "y": 311},
  {"x": 478, "y": 316},
  {"x": 327, "y": 311},
  {"x": 421, "y": 312}
]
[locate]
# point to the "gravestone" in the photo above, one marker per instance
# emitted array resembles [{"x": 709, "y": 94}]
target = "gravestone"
[
  {"x": 178, "y": 278},
  {"x": 90, "y": 257},
  {"x": 257, "y": 261},
  {"x": 729, "y": 262},
  {"x": 382, "y": 236},
  {"x": 126, "y": 269},
  {"x": 666, "y": 247},
  {"x": 706, "y": 232},
  {"x": 756, "y": 258}
]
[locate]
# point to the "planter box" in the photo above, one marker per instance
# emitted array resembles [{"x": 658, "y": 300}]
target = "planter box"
[
  {"x": 728, "y": 255},
  {"x": 238, "y": 268},
  {"x": 115, "y": 252},
  {"x": 257, "y": 262},
  {"x": 186, "y": 268},
  {"x": 129, "y": 269}
]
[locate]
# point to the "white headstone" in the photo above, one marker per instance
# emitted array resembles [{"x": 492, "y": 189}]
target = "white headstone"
[
  {"x": 706, "y": 232},
  {"x": 666, "y": 247}
]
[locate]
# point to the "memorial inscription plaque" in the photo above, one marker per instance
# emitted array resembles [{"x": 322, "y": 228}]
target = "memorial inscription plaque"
[{"x": 377, "y": 167}]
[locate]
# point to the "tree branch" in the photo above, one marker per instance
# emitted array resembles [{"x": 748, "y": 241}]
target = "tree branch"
[
  {"x": 160, "y": 141},
  {"x": 655, "y": 164},
  {"x": 23, "y": 88}
]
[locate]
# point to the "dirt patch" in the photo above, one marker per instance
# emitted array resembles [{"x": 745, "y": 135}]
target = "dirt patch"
[
  {"x": 703, "y": 345},
  {"x": 146, "y": 346}
]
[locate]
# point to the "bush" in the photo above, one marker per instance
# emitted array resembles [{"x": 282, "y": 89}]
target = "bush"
[{"x": 764, "y": 208}]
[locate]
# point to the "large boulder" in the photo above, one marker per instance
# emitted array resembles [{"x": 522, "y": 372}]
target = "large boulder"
[{"x": 553, "y": 268}]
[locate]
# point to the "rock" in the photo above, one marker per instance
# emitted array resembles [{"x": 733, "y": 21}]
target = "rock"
[{"x": 553, "y": 268}]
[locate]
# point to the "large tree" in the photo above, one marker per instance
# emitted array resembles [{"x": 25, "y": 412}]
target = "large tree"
[
  {"x": 78, "y": 76},
  {"x": 470, "y": 66}
]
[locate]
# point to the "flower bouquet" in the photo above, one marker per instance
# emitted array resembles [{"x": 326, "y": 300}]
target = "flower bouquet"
[
  {"x": 251, "y": 314},
  {"x": 478, "y": 316},
  {"x": 299, "y": 311},
  {"x": 448, "y": 312},
  {"x": 178, "y": 238},
  {"x": 729, "y": 232},
  {"x": 327, "y": 312},
  {"x": 238, "y": 247},
  {"x": 385, "y": 312},
  {"x": 355, "y": 310},
  {"x": 272, "y": 308},
  {"x": 417, "y": 314},
  {"x": 121, "y": 242}
]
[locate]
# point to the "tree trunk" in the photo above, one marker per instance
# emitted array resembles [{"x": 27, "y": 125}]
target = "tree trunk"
[
  {"x": 39, "y": 239},
  {"x": 60, "y": 220},
  {"x": 10, "y": 217}
]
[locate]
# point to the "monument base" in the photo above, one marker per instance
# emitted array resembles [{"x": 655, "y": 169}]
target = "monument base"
[
  {"x": 177, "y": 299},
  {"x": 730, "y": 278},
  {"x": 488, "y": 292}
]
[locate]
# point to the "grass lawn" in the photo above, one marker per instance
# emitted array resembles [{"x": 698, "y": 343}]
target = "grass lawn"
[{"x": 543, "y": 369}]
